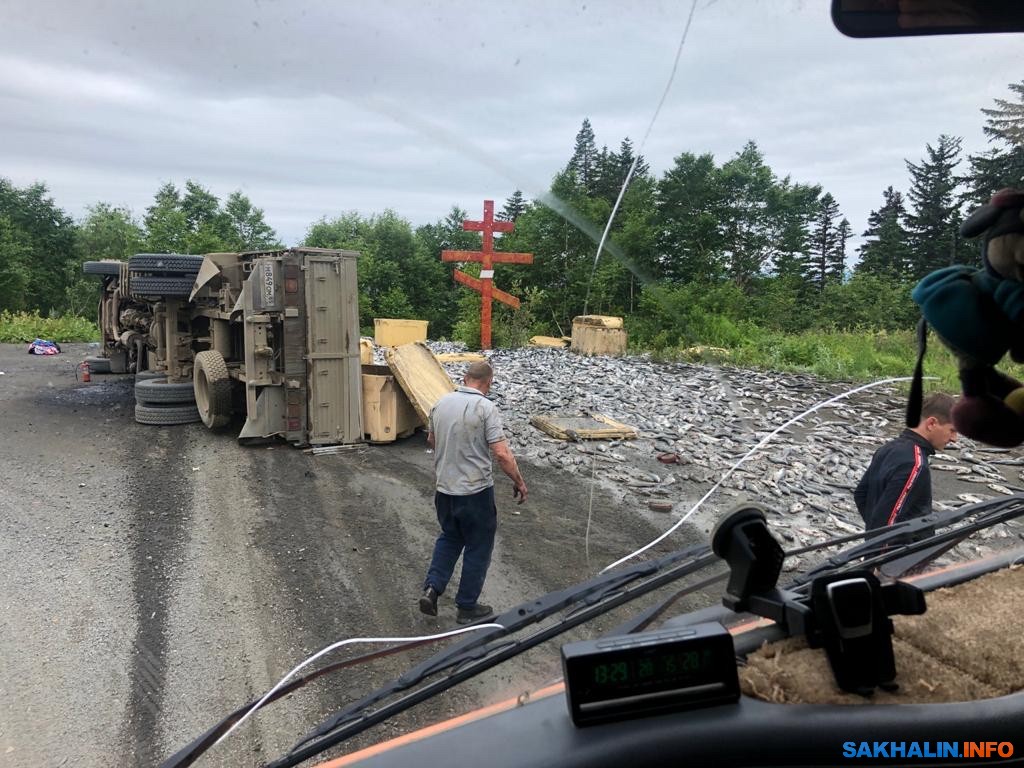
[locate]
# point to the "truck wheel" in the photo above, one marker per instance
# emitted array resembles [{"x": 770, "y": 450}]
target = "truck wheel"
[
  {"x": 165, "y": 415},
  {"x": 165, "y": 263},
  {"x": 102, "y": 267},
  {"x": 212, "y": 387},
  {"x": 144, "y": 375},
  {"x": 175, "y": 287},
  {"x": 158, "y": 391},
  {"x": 98, "y": 364}
]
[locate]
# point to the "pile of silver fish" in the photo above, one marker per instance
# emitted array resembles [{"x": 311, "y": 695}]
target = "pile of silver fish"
[{"x": 700, "y": 424}]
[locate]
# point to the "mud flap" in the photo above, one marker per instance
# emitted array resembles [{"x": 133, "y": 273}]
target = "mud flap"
[{"x": 267, "y": 418}]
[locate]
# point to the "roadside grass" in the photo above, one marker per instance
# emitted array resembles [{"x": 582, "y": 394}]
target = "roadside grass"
[
  {"x": 838, "y": 355},
  {"x": 23, "y": 327}
]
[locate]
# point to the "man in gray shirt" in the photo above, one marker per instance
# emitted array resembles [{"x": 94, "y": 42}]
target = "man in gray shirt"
[{"x": 465, "y": 430}]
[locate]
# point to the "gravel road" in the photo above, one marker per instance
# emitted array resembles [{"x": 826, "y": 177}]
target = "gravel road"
[{"x": 154, "y": 579}]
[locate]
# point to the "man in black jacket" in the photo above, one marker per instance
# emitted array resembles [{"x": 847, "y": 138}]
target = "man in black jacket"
[{"x": 898, "y": 485}]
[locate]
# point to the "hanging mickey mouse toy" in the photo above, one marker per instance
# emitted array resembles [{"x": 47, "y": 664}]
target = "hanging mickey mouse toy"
[{"x": 979, "y": 315}]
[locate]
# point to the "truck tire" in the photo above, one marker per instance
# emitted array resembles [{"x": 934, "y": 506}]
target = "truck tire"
[
  {"x": 166, "y": 415},
  {"x": 165, "y": 263},
  {"x": 102, "y": 267},
  {"x": 159, "y": 391},
  {"x": 212, "y": 389},
  {"x": 174, "y": 287},
  {"x": 143, "y": 375},
  {"x": 98, "y": 364}
]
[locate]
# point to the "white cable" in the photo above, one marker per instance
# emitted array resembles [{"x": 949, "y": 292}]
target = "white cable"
[
  {"x": 639, "y": 152},
  {"x": 339, "y": 644},
  {"x": 750, "y": 453},
  {"x": 590, "y": 509}
]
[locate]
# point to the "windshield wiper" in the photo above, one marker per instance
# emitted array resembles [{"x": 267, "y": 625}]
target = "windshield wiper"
[
  {"x": 904, "y": 546},
  {"x": 916, "y": 542},
  {"x": 195, "y": 749},
  {"x": 473, "y": 656},
  {"x": 491, "y": 647},
  {"x": 894, "y": 562},
  {"x": 604, "y": 591}
]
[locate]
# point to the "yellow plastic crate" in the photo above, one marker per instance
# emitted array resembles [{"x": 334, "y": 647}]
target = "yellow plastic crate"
[{"x": 392, "y": 332}]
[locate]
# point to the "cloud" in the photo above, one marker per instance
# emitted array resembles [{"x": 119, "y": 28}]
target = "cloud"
[{"x": 325, "y": 107}]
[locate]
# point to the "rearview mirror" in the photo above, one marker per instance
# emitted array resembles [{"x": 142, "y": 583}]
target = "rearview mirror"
[{"x": 899, "y": 18}]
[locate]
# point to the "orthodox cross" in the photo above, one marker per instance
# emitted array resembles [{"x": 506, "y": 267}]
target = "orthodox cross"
[{"x": 487, "y": 258}]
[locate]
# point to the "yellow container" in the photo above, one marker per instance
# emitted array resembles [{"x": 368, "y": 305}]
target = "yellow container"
[
  {"x": 387, "y": 412},
  {"x": 596, "y": 335},
  {"x": 390, "y": 332}
]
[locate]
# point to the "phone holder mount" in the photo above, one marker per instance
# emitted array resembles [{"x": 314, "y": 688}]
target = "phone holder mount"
[{"x": 845, "y": 613}]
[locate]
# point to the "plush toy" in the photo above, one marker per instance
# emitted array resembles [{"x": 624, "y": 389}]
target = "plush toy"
[{"x": 979, "y": 315}]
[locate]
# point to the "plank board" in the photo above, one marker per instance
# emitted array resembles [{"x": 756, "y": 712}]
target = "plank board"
[
  {"x": 592, "y": 427},
  {"x": 420, "y": 375}
]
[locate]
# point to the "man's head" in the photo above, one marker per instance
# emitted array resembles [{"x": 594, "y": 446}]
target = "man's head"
[
  {"x": 936, "y": 425},
  {"x": 479, "y": 376}
]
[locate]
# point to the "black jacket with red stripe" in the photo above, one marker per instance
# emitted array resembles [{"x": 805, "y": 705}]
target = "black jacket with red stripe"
[{"x": 897, "y": 485}]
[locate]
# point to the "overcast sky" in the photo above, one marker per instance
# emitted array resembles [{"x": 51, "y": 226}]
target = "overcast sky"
[{"x": 317, "y": 108}]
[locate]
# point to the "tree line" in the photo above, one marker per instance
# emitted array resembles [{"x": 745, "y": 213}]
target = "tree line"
[{"x": 693, "y": 255}]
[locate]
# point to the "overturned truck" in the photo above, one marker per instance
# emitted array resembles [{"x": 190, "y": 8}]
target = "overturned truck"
[{"x": 271, "y": 336}]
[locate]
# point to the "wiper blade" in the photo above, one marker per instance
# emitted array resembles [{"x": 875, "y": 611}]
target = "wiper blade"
[
  {"x": 479, "y": 652},
  {"x": 917, "y": 542},
  {"x": 897, "y": 549},
  {"x": 596, "y": 591},
  {"x": 474, "y": 656},
  {"x": 194, "y": 750}
]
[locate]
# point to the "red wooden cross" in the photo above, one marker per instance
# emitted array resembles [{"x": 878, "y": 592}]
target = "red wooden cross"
[{"x": 487, "y": 258}]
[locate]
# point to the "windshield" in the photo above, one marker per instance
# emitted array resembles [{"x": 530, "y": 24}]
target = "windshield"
[{"x": 767, "y": 193}]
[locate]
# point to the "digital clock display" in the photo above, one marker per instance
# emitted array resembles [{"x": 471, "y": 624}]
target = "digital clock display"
[
  {"x": 666, "y": 667},
  {"x": 649, "y": 673}
]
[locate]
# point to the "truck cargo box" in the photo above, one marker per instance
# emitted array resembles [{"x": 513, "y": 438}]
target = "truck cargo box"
[{"x": 387, "y": 412}]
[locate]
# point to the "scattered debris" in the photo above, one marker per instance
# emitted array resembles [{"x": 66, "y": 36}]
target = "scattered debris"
[
  {"x": 420, "y": 375},
  {"x": 710, "y": 417},
  {"x": 460, "y": 357},
  {"x": 329, "y": 449},
  {"x": 44, "y": 347},
  {"x": 590, "y": 427},
  {"x": 554, "y": 342}
]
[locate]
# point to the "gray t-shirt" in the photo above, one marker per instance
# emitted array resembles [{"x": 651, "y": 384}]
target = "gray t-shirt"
[{"x": 464, "y": 424}]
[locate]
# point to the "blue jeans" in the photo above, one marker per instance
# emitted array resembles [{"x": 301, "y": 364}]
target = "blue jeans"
[{"x": 468, "y": 524}]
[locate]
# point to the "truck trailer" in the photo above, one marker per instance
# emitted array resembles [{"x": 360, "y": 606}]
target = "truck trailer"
[{"x": 271, "y": 336}]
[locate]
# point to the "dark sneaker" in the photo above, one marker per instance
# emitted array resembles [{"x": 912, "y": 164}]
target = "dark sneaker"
[
  {"x": 428, "y": 602},
  {"x": 477, "y": 612}
]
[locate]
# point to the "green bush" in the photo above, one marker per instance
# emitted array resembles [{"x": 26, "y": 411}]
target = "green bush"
[
  {"x": 510, "y": 328},
  {"x": 23, "y": 327},
  {"x": 842, "y": 355}
]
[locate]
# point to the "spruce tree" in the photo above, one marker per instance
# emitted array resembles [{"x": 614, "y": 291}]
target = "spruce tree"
[
  {"x": 934, "y": 221},
  {"x": 584, "y": 158},
  {"x": 514, "y": 207},
  {"x": 886, "y": 252},
  {"x": 1006, "y": 120},
  {"x": 825, "y": 243}
]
